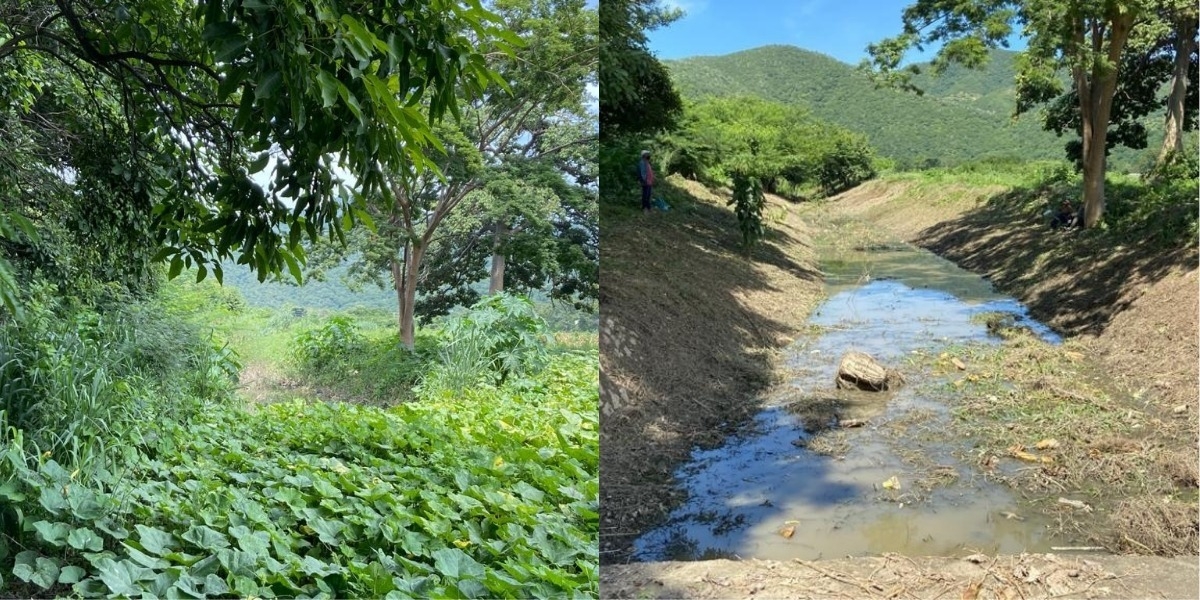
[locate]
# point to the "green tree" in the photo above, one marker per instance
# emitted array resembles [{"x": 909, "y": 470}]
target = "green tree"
[
  {"x": 192, "y": 99},
  {"x": 750, "y": 144},
  {"x": 1086, "y": 38},
  {"x": 1161, "y": 55},
  {"x": 1182, "y": 18},
  {"x": 636, "y": 94},
  {"x": 520, "y": 121}
]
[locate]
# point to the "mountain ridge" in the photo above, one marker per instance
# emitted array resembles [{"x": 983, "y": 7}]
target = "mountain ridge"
[{"x": 964, "y": 115}]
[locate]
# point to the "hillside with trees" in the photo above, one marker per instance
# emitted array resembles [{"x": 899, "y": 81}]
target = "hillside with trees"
[{"x": 964, "y": 114}]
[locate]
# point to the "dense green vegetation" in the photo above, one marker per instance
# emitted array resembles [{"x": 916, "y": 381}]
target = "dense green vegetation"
[
  {"x": 964, "y": 115},
  {"x": 332, "y": 292},
  {"x": 754, "y": 146},
  {"x": 131, "y": 466}
]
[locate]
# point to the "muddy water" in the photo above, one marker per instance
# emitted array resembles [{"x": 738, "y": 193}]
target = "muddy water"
[{"x": 889, "y": 301}]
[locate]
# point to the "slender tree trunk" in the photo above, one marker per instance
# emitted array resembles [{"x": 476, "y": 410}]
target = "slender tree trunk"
[
  {"x": 496, "y": 285},
  {"x": 1096, "y": 90},
  {"x": 1185, "y": 43},
  {"x": 398, "y": 284},
  {"x": 408, "y": 303}
]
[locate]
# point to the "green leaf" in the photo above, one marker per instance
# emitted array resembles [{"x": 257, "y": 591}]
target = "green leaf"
[
  {"x": 53, "y": 533},
  {"x": 111, "y": 527},
  {"x": 256, "y": 543},
  {"x": 329, "y": 89},
  {"x": 206, "y": 538},
  {"x": 52, "y": 500},
  {"x": 163, "y": 582},
  {"x": 176, "y": 267},
  {"x": 229, "y": 48},
  {"x": 155, "y": 541},
  {"x": 122, "y": 577},
  {"x": 237, "y": 562},
  {"x": 316, "y": 568},
  {"x": 146, "y": 560},
  {"x": 71, "y": 574},
  {"x": 11, "y": 491},
  {"x": 190, "y": 585},
  {"x": 90, "y": 588},
  {"x": 260, "y": 163},
  {"x": 217, "y": 31},
  {"x": 268, "y": 85},
  {"x": 327, "y": 530},
  {"x": 215, "y": 586},
  {"x": 85, "y": 539},
  {"x": 293, "y": 266},
  {"x": 456, "y": 564},
  {"x": 231, "y": 82},
  {"x": 205, "y": 567},
  {"x": 39, "y": 570}
]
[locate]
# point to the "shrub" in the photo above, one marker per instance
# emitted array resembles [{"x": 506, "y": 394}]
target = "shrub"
[
  {"x": 332, "y": 346},
  {"x": 501, "y": 336}
]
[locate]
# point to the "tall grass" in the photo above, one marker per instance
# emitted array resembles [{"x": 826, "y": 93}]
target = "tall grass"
[{"x": 80, "y": 385}]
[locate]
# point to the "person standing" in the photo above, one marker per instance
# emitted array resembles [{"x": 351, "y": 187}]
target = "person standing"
[{"x": 646, "y": 175}]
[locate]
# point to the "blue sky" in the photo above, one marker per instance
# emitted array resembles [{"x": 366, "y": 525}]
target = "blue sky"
[{"x": 839, "y": 28}]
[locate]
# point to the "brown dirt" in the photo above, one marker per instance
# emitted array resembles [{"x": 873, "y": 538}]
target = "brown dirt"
[
  {"x": 893, "y": 576},
  {"x": 689, "y": 330},
  {"x": 262, "y": 382}
]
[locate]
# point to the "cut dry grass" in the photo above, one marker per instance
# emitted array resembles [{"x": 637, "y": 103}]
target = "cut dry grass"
[
  {"x": 1046, "y": 422},
  {"x": 1154, "y": 525}
]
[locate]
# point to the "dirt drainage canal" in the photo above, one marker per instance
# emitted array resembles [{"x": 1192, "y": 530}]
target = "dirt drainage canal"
[{"x": 799, "y": 482}]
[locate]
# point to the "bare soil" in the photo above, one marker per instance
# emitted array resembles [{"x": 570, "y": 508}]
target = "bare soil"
[
  {"x": 892, "y": 576},
  {"x": 689, "y": 336}
]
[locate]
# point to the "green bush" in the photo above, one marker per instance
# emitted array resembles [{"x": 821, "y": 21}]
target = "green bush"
[
  {"x": 501, "y": 336},
  {"x": 78, "y": 384},
  {"x": 331, "y": 347},
  {"x": 491, "y": 493}
]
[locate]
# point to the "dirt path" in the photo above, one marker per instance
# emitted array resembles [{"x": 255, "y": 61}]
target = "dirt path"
[
  {"x": 689, "y": 337},
  {"x": 892, "y": 576}
]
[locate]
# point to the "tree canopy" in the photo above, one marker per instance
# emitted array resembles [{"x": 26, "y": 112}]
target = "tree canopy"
[
  {"x": 636, "y": 93},
  {"x": 161, "y": 113},
  {"x": 1090, "y": 41}
]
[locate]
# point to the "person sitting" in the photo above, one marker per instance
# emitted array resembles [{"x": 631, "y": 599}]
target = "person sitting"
[{"x": 1066, "y": 217}]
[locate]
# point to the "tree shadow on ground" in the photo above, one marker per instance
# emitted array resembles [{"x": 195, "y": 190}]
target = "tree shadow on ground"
[
  {"x": 688, "y": 326},
  {"x": 1074, "y": 280}
]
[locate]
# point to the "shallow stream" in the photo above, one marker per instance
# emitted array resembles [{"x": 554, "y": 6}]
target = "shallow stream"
[{"x": 767, "y": 494}]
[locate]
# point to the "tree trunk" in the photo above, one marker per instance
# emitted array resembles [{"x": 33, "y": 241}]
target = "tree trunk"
[
  {"x": 397, "y": 279},
  {"x": 1185, "y": 43},
  {"x": 408, "y": 303},
  {"x": 1096, "y": 90},
  {"x": 496, "y": 285}
]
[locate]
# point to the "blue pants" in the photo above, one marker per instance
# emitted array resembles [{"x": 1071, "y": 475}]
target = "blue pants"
[{"x": 646, "y": 190}]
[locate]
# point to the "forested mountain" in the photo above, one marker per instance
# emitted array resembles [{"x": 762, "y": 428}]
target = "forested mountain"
[
  {"x": 333, "y": 294},
  {"x": 964, "y": 115}
]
